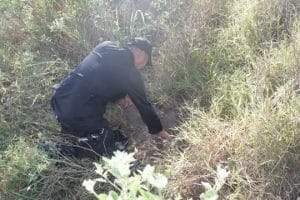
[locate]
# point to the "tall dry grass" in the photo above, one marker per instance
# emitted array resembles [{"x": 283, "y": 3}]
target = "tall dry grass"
[
  {"x": 252, "y": 124},
  {"x": 234, "y": 64}
]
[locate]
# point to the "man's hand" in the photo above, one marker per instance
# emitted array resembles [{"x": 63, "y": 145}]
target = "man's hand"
[
  {"x": 125, "y": 102},
  {"x": 165, "y": 135}
]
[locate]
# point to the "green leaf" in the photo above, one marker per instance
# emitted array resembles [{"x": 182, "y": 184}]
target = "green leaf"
[
  {"x": 209, "y": 195},
  {"x": 222, "y": 174},
  {"x": 112, "y": 195},
  {"x": 102, "y": 196},
  {"x": 99, "y": 169},
  {"x": 159, "y": 181},
  {"x": 147, "y": 172},
  {"x": 148, "y": 195},
  {"x": 134, "y": 183},
  {"x": 119, "y": 164},
  {"x": 89, "y": 185},
  {"x": 206, "y": 185},
  {"x": 155, "y": 179}
]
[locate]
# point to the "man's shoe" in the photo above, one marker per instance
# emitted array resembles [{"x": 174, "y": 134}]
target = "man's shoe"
[
  {"x": 121, "y": 141},
  {"x": 119, "y": 136},
  {"x": 121, "y": 146},
  {"x": 67, "y": 150}
]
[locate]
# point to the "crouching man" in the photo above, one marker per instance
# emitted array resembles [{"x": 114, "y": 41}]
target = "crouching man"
[{"x": 107, "y": 74}]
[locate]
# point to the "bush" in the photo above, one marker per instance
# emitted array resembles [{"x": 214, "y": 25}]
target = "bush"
[{"x": 127, "y": 185}]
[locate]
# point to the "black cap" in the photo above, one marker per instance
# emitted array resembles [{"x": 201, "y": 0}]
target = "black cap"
[{"x": 143, "y": 44}]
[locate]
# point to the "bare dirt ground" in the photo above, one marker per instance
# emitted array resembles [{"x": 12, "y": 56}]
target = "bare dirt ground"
[{"x": 148, "y": 146}]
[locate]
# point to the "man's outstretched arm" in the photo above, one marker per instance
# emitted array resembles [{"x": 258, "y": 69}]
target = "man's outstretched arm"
[{"x": 136, "y": 92}]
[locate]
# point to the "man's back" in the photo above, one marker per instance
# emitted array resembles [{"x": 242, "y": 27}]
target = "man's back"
[
  {"x": 101, "y": 77},
  {"x": 107, "y": 74}
]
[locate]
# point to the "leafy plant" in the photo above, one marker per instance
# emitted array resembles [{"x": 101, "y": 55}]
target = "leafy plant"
[
  {"x": 20, "y": 167},
  {"x": 144, "y": 184},
  {"x": 211, "y": 192}
]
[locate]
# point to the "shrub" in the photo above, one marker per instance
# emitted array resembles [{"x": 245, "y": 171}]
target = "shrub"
[{"x": 145, "y": 184}]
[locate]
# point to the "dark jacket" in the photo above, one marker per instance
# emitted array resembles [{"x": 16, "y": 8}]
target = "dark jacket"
[{"x": 105, "y": 75}]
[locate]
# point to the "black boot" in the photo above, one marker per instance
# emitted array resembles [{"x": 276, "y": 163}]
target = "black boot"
[{"x": 121, "y": 141}]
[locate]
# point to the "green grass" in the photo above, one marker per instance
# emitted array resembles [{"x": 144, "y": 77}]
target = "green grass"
[
  {"x": 232, "y": 65},
  {"x": 252, "y": 124},
  {"x": 21, "y": 165}
]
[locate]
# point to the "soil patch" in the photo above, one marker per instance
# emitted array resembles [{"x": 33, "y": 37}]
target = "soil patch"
[{"x": 149, "y": 147}]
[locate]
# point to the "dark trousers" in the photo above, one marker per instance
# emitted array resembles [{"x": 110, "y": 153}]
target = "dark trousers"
[{"x": 91, "y": 144}]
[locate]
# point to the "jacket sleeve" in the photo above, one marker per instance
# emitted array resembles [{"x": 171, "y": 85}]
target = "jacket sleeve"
[{"x": 136, "y": 91}]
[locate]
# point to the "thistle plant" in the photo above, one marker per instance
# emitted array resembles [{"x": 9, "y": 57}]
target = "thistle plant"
[
  {"x": 141, "y": 185},
  {"x": 211, "y": 192}
]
